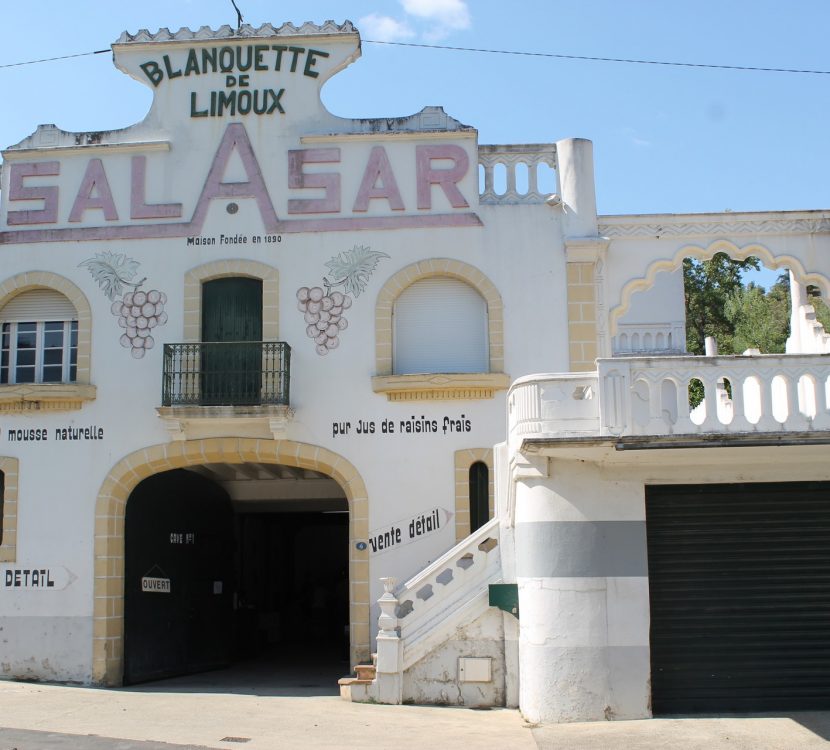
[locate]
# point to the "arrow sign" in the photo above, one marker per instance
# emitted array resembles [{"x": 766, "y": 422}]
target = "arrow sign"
[
  {"x": 409, "y": 530},
  {"x": 56, "y": 578}
]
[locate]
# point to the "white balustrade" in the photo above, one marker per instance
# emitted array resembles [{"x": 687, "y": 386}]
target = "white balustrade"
[
  {"x": 650, "y": 338},
  {"x": 534, "y": 156},
  {"x": 564, "y": 403},
  {"x": 762, "y": 393},
  {"x": 650, "y": 396}
]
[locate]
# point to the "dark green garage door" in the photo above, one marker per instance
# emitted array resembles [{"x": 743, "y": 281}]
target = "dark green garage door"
[{"x": 739, "y": 581}]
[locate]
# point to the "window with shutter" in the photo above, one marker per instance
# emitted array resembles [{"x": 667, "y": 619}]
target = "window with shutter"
[
  {"x": 440, "y": 326},
  {"x": 39, "y": 339}
]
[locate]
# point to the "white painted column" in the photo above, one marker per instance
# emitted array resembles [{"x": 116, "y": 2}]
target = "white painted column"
[
  {"x": 583, "y": 597},
  {"x": 798, "y": 297},
  {"x": 575, "y": 162}
]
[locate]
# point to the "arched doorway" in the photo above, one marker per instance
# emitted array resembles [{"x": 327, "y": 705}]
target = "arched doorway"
[{"x": 203, "y": 457}]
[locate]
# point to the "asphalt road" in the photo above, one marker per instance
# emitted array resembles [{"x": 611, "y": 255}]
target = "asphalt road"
[{"x": 23, "y": 739}]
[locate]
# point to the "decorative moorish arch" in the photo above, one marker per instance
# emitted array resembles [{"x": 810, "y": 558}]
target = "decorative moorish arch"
[
  {"x": 110, "y": 511},
  {"x": 699, "y": 252},
  {"x": 195, "y": 277}
]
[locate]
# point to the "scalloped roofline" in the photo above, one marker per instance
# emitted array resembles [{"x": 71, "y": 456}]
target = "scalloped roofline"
[{"x": 246, "y": 31}]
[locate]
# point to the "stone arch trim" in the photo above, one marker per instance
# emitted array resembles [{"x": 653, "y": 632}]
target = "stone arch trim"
[
  {"x": 110, "y": 511},
  {"x": 8, "y": 521},
  {"x": 464, "y": 459},
  {"x": 699, "y": 252},
  {"x": 425, "y": 269},
  {"x": 25, "y": 282},
  {"x": 195, "y": 277}
]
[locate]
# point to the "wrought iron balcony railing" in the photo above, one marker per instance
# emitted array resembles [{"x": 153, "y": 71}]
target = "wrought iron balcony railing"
[{"x": 239, "y": 373}]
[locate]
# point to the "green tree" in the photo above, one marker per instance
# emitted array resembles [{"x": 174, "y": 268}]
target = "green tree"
[
  {"x": 820, "y": 306},
  {"x": 708, "y": 285},
  {"x": 760, "y": 320}
]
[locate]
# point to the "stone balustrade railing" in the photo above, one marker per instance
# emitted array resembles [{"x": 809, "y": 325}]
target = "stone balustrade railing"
[
  {"x": 565, "y": 404},
  {"x": 761, "y": 393},
  {"x": 534, "y": 156},
  {"x": 648, "y": 338},
  {"x": 650, "y": 396}
]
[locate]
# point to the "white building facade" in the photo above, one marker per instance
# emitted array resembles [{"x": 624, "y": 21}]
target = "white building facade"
[{"x": 256, "y": 358}]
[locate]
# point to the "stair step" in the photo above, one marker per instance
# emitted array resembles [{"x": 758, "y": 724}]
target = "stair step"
[
  {"x": 353, "y": 681},
  {"x": 365, "y": 671},
  {"x": 354, "y": 689}
]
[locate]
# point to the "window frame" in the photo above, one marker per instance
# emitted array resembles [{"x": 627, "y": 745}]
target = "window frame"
[
  {"x": 479, "y": 490},
  {"x": 10, "y": 335},
  {"x": 438, "y": 386},
  {"x": 25, "y": 398},
  {"x": 420, "y": 309}
]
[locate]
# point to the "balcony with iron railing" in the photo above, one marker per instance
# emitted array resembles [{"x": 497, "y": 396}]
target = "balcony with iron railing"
[
  {"x": 239, "y": 373},
  {"x": 205, "y": 384}
]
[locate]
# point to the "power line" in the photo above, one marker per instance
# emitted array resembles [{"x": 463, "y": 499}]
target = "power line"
[
  {"x": 51, "y": 59},
  {"x": 518, "y": 53},
  {"x": 601, "y": 59}
]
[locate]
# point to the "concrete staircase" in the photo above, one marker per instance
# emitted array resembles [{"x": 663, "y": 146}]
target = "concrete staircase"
[{"x": 425, "y": 612}]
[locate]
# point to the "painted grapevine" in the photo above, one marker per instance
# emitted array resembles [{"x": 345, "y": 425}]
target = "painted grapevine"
[
  {"x": 138, "y": 311},
  {"x": 323, "y": 306}
]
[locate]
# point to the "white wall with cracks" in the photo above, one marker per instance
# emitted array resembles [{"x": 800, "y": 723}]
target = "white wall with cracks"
[{"x": 435, "y": 679}]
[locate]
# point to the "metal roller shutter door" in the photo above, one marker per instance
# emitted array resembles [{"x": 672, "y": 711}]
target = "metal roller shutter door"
[{"x": 739, "y": 581}]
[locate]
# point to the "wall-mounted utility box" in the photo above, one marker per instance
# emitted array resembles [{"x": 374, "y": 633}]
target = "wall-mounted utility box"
[{"x": 475, "y": 669}]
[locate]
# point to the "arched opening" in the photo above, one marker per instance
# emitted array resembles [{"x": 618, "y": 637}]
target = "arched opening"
[
  {"x": 267, "y": 481},
  {"x": 719, "y": 291},
  {"x": 442, "y": 269},
  {"x": 725, "y": 305},
  {"x": 440, "y": 325},
  {"x": 241, "y": 568}
]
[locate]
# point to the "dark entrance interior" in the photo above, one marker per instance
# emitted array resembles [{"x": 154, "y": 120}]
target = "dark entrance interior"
[
  {"x": 740, "y": 602},
  {"x": 239, "y": 569}
]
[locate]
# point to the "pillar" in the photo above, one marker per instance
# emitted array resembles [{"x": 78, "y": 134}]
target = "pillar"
[
  {"x": 581, "y": 569},
  {"x": 575, "y": 163}
]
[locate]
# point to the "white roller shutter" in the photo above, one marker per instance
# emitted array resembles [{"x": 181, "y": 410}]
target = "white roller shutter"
[
  {"x": 38, "y": 304},
  {"x": 440, "y": 325}
]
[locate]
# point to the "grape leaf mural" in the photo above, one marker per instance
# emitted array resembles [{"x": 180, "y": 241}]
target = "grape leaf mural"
[
  {"x": 351, "y": 269},
  {"x": 323, "y": 309},
  {"x": 112, "y": 272},
  {"x": 138, "y": 312}
]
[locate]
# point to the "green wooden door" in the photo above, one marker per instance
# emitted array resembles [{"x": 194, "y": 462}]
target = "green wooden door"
[{"x": 231, "y": 316}]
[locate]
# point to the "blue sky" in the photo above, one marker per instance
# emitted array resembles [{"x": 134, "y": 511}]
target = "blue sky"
[{"x": 666, "y": 139}]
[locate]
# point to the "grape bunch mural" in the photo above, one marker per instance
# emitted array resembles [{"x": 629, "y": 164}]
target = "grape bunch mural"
[
  {"x": 138, "y": 311},
  {"x": 323, "y": 308}
]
